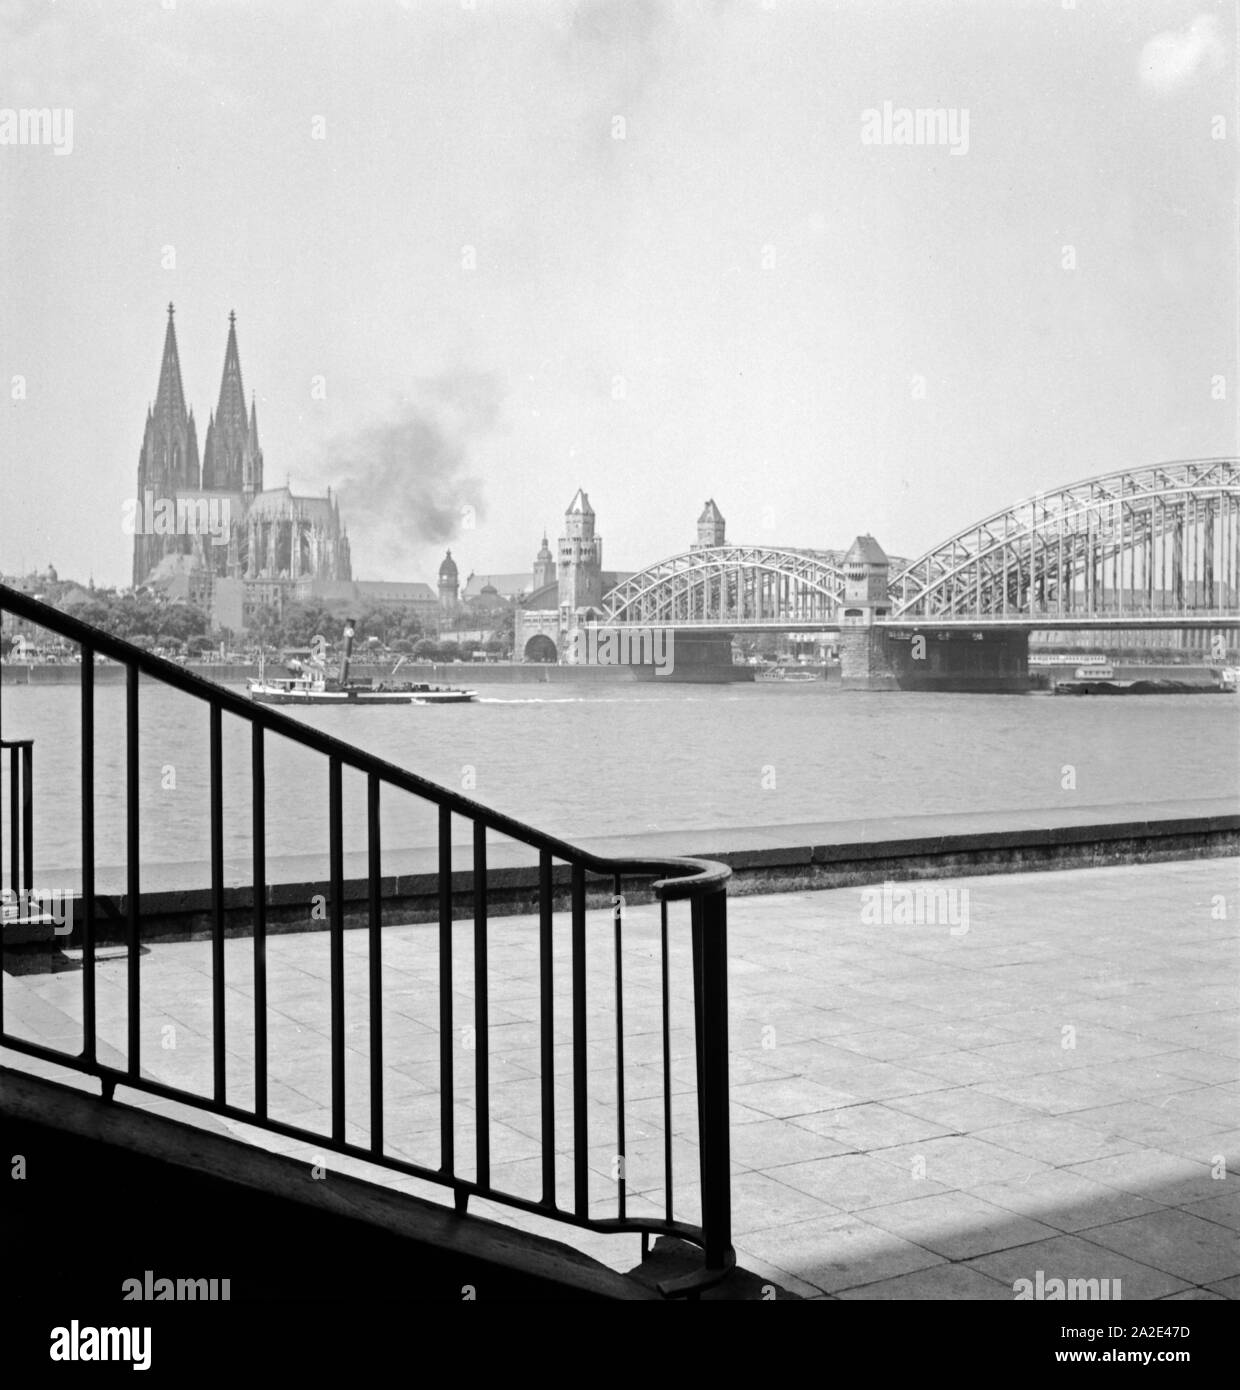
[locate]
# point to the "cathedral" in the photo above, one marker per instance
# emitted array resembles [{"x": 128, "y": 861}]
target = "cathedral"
[{"x": 214, "y": 519}]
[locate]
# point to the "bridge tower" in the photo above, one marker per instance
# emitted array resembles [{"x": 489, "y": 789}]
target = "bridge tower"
[
  {"x": 581, "y": 561},
  {"x": 865, "y": 662},
  {"x": 866, "y": 570},
  {"x": 710, "y": 527}
]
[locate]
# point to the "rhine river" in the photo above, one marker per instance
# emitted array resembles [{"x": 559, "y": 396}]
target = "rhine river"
[{"x": 585, "y": 761}]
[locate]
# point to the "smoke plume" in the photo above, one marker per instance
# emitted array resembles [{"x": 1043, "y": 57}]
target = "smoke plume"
[{"x": 407, "y": 481}]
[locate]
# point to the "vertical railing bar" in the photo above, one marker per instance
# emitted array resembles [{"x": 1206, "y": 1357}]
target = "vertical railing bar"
[
  {"x": 447, "y": 1102},
  {"x": 12, "y": 762},
  {"x": 546, "y": 1018},
  {"x": 258, "y": 809},
  {"x": 15, "y": 839},
  {"x": 667, "y": 1066},
  {"x": 374, "y": 869},
  {"x": 336, "y": 933},
  {"x": 133, "y": 877},
  {"x": 217, "y": 901},
  {"x": 88, "y": 854},
  {"x": 618, "y": 924},
  {"x": 699, "y": 1043},
  {"x": 482, "y": 1060},
  {"x": 581, "y": 1188},
  {"x": 28, "y": 818},
  {"x": 709, "y": 931}
]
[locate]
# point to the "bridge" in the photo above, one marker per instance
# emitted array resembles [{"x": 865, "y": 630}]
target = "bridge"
[
  {"x": 764, "y": 588},
  {"x": 1151, "y": 547}
]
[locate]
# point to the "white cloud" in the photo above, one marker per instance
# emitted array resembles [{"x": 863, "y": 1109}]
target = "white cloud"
[{"x": 1172, "y": 59}]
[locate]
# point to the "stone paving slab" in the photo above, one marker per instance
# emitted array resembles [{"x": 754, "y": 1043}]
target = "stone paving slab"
[{"x": 917, "y": 1111}]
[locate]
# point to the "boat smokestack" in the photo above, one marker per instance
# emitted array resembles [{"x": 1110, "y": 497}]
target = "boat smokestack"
[{"x": 347, "y": 651}]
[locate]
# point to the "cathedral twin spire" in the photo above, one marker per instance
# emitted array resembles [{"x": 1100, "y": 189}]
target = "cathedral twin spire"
[
  {"x": 232, "y": 460},
  {"x": 169, "y": 457},
  {"x": 170, "y": 397},
  {"x": 269, "y": 535}
]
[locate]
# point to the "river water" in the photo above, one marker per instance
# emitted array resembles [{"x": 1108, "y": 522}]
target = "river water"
[{"x": 583, "y": 761}]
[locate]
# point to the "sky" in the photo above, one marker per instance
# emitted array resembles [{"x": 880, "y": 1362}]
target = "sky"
[{"x": 485, "y": 252}]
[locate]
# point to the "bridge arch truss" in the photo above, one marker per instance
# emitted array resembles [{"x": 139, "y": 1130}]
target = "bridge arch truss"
[
  {"x": 731, "y": 585},
  {"x": 1152, "y": 541}
]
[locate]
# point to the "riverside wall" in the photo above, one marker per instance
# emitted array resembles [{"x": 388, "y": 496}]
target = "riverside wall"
[{"x": 774, "y": 859}]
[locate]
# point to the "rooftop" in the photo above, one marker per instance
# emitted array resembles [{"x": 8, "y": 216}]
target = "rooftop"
[{"x": 866, "y": 550}]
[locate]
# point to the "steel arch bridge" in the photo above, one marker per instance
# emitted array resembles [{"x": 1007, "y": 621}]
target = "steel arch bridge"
[
  {"x": 732, "y": 586},
  {"x": 1157, "y": 546},
  {"x": 1141, "y": 545}
]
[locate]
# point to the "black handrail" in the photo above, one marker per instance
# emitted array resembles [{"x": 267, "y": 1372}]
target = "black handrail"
[{"x": 701, "y": 882}]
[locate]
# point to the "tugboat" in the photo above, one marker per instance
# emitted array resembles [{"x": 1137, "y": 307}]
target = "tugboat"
[{"x": 318, "y": 688}]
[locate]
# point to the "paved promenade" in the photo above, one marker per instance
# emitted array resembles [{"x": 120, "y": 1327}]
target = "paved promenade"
[{"x": 1045, "y": 1079}]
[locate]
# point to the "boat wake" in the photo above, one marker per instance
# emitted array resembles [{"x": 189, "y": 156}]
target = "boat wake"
[
  {"x": 554, "y": 700},
  {"x": 583, "y": 699}
]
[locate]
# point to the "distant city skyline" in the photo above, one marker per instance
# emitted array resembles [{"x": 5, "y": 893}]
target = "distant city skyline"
[{"x": 483, "y": 257}]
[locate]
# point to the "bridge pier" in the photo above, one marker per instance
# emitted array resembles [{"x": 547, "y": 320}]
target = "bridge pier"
[
  {"x": 865, "y": 660},
  {"x": 993, "y": 660},
  {"x": 697, "y": 658}
]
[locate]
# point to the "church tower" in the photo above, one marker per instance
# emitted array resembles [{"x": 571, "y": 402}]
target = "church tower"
[
  {"x": 168, "y": 461},
  {"x": 449, "y": 586},
  {"x": 232, "y": 460},
  {"x": 581, "y": 558},
  {"x": 544, "y": 567}
]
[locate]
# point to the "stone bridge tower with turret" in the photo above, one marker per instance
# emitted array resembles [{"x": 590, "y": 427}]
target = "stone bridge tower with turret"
[
  {"x": 865, "y": 659},
  {"x": 710, "y": 527},
  {"x": 581, "y": 561}
]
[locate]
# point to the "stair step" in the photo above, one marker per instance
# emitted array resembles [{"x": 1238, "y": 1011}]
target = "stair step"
[{"x": 39, "y": 926}]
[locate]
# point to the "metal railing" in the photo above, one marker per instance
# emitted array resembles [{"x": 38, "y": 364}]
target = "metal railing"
[
  {"x": 20, "y": 856},
  {"x": 701, "y": 883}
]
